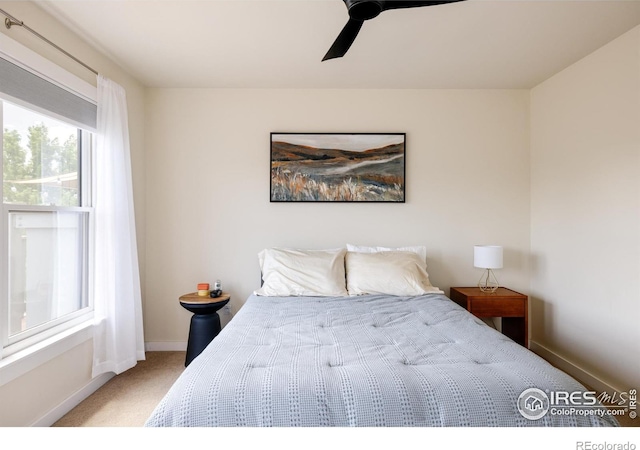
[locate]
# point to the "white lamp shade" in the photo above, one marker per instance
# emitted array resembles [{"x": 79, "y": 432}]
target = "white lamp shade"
[{"x": 487, "y": 256}]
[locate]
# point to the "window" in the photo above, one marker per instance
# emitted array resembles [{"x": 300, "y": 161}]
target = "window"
[{"x": 46, "y": 217}]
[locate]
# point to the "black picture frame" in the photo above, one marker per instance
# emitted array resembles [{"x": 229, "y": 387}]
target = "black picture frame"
[{"x": 338, "y": 167}]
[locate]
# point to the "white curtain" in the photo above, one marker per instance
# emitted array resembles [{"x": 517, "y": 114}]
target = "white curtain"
[{"x": 118, "y": 342}]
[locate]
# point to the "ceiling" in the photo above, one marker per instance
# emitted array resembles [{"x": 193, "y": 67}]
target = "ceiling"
[{"x": 483, "y": 44}]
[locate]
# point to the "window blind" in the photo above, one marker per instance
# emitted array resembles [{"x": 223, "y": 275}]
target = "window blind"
[{"x": 35, "y": 90}]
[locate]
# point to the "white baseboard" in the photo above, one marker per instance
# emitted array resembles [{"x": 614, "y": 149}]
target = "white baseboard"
[
  {"x": 166, "y": 346},
  {"x": 59, "y": 411},
  {"x": 575, "y": 371}
]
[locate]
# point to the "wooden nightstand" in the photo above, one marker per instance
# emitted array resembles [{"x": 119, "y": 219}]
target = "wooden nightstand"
[{"x": 510, "y": 305}]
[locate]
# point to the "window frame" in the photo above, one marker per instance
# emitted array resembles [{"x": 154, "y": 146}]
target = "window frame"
[{"x": 48, "y": 334}]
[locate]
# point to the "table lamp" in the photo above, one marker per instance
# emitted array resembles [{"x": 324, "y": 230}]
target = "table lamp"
[{"x": 487, "y": 257}]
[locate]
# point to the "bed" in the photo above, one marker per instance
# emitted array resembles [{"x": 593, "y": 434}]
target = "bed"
[{"x": 365, "y": 360}]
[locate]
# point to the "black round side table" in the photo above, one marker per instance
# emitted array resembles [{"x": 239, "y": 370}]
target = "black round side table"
[{"x": 205, "y": 322}]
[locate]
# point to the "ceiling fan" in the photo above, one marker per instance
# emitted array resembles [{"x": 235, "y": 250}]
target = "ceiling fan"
[{"x": 361, "y": 10}]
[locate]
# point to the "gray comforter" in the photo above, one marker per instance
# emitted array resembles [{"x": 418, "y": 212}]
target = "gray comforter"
[{"x": 362, "y": 361}]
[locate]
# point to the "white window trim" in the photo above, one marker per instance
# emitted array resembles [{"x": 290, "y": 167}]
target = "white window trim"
[{"x": 23, "y": 361}]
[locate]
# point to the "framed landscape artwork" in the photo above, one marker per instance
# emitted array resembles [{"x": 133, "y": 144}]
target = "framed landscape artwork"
[{"x": 338, "y": 167}]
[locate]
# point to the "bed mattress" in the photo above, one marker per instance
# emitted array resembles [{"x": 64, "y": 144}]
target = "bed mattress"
[{"x": 372, "y": 361}]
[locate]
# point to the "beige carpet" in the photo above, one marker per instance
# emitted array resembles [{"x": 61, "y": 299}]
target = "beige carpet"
[{"x": 128, "y": 399}]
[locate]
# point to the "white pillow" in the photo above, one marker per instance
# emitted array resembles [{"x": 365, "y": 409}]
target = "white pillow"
[
  {"x": 420, "y": 250},
  {"x": 387, "y": 272},
  {"x": 292, "y": 272}
]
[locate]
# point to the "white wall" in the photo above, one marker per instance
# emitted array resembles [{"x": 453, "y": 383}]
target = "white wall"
[
  {"x": 585, "y": 214},
  {"x": 208, "y": 209}
]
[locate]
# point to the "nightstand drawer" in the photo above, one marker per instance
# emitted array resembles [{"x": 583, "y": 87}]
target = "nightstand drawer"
[
  {"x": 510, "y": 306},
  {"x": 497, "y": 307}
]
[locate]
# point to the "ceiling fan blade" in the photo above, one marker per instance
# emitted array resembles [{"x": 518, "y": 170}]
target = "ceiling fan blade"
[
  {"x": 396, "y": 4},
  {"x": 361, "y": 10},
  {"x": 344, "y": 39}
]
